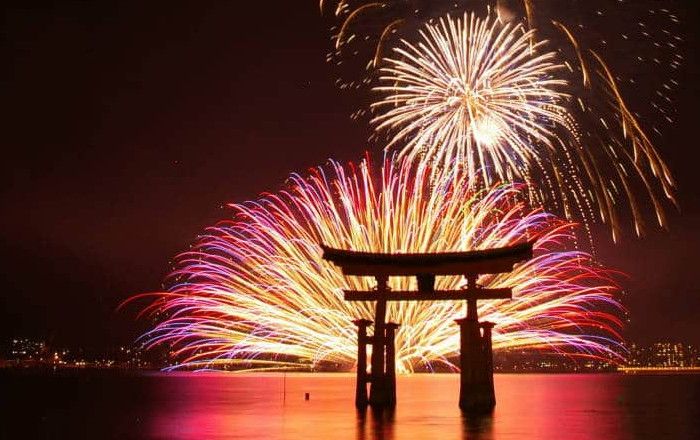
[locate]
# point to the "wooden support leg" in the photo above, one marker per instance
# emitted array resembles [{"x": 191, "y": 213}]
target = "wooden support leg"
[
  {"x": 361, "y": 400},
  {"x": 391, "y": 362},
  {"x": 489, "y": 391},
  {"x": 378, "y": 390}
]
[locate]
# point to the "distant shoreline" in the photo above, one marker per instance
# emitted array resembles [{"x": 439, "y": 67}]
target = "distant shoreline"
[
  {"x": 659, "y": 370},
  {"x": 627, "y": 371}
]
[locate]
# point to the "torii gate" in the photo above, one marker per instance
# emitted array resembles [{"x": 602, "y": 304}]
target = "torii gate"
[{"x": 476, "y": 391}]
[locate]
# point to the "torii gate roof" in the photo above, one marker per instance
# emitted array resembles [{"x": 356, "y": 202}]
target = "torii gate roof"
[{"x": 486, "y": 261}]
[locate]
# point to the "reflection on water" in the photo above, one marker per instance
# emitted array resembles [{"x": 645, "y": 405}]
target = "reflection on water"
[{"x": 230, "y": 406}]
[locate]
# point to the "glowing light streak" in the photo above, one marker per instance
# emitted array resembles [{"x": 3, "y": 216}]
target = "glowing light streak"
[{"x": 341, "y": 34}]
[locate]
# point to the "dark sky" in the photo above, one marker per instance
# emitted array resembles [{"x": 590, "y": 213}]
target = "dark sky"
[{"x": 127, "y": 127}]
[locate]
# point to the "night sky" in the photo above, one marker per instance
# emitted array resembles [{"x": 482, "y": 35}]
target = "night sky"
[{"x": 128, "y": 127}]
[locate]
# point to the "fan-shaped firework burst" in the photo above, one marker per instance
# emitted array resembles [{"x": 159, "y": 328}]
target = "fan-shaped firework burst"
[
  {"x": 560, "y": 118},
  {"x": 255, "y": 291}
]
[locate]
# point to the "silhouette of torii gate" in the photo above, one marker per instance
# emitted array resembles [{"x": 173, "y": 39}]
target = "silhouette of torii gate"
[{"x": 476, "y": 391}]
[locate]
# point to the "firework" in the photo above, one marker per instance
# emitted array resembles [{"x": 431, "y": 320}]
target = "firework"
[
  {"x": 526, "y": 94},
  {"x": 476, "y": 92},
  {"x": 255, "y": 292}
]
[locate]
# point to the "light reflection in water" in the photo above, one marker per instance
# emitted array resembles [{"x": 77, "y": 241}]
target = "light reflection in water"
[
  {"x": 96, "y": 404},
  {"x": 529, "y": 406}
]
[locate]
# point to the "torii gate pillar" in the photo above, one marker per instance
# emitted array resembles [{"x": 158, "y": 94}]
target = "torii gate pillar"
[
  {"x": 382, "y": 374},
  {"x": 476, "y": 393}
]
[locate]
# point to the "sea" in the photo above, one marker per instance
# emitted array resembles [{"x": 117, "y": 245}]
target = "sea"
[{"x": 109, "y": 405}]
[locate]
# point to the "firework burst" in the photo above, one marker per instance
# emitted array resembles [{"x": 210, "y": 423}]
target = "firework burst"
[
  {"x": 563, "y": 123},
  {"x": 475, "y": 92},
  {"x": 255, "y": 292},
  {"x": 478, "y": 93}
]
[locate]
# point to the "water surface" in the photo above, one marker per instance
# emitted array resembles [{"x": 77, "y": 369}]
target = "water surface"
[{"x": 233, "y": 406}]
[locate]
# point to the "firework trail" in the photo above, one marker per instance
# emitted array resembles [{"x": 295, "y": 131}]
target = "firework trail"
[
  {"x": 255, "y": 292},
  {"x": 561, "y": 119}
]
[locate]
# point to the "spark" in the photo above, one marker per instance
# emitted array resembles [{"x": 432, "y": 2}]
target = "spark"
[{"x": 353, "y": 15}]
